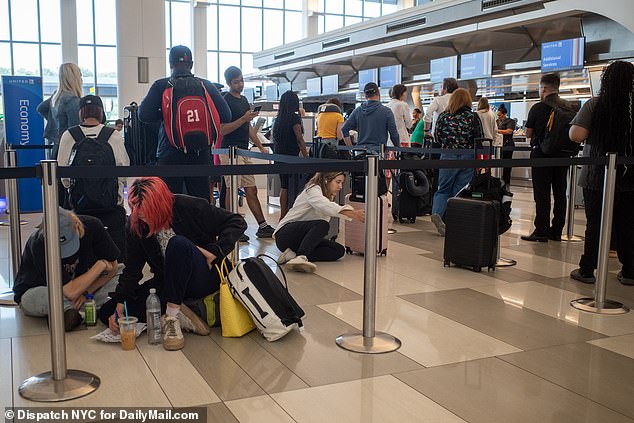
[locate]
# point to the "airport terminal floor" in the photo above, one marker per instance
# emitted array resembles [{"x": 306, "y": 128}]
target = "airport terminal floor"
[{"x": 502, "y": 346}]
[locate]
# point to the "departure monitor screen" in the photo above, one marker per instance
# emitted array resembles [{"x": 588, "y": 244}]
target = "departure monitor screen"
[
  {"x": 283, "y": 87},
  {"x": 313, "y": 87},
  {"x": 389, "y": 76},
  {"x": 368, "y": 75},
  {"x": 249, "y": 93},
  {"x": 446, "y": 67},
  {"x": 563, "y": 55},
  {"x": 330, "y": 84},
  {"x": 271, "y": 92},
  {"x": 476, "y": 65}
]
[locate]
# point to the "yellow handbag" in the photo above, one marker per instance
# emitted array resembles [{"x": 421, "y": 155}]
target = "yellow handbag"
[{"x": 234, "y": 318}]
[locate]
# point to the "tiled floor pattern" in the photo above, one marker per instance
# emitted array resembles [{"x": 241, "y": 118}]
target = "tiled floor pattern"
[{"x": 502, "y": 346}]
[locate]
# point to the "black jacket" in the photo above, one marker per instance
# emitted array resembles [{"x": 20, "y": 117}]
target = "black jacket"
[{"x": 207, "y": 226}]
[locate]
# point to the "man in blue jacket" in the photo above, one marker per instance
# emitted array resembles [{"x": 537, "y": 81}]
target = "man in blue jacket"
[
  {"x": 150, "y": 110},
  {"x": 372, "y": 120}
]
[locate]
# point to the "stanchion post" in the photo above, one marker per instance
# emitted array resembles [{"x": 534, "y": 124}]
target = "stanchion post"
[
  {"x": 60, "y": 384},
  {"x": 14, "y": 214},
  {"x": 498, "y": 172},
  {"x": 599, "y": 304},
  {"x": 369, "y": 341},
  {"x": 570, "y": 219},
  {"x": 233, "y": 192}
]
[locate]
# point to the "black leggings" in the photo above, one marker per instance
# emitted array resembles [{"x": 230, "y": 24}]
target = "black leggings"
[
  {"x": 187, "y": 276},
  {"x": 308, "y": 239}
]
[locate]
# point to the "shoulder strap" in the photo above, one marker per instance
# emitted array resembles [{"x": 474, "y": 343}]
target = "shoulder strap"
[
  {"x": 104, "y": 134},
  {"x": 77, "y": 134}
]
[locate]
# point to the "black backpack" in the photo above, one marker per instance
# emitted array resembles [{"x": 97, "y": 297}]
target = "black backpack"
[
  {"x": 92, "y": 194},
  {"x": 556, "y": 140}
]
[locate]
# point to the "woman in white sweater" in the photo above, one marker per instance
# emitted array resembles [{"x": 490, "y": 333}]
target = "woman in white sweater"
[
  {"x": 301, "y": 233},
  {"x": 487, "y": 118},
  {"x": 402, "y": 113}
]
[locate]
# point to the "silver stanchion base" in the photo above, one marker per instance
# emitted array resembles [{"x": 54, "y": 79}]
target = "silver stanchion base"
[
  {"x": 573, "y": 238},
  {"x": 356, "y": 342},
  {"x": 391, "y": 231},
  {"x": 504, "y": 262},
  {"x": 7, "y": 223},
  {"x": 590, "y": 305},
  {"x": 44, "y": 388}
]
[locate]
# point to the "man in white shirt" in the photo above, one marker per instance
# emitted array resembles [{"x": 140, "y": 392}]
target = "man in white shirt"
[{"x": 440, "y": 103}]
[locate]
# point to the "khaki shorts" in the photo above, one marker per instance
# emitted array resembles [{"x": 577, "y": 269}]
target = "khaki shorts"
[{"x": 243, "y": 180}]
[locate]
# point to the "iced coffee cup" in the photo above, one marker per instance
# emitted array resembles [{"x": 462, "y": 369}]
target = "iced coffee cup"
[{"x": 127, "y": 329}]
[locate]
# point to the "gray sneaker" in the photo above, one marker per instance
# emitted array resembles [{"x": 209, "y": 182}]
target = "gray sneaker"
[
  {"x": 190, "y": 322},
  {"x": 301, "y": 264},
  {"x": 173, "y": 338},
  {"x": 624, "y": 280},
  {"x": 265, "y": 232},
  {"x": 440, "y": 225}
]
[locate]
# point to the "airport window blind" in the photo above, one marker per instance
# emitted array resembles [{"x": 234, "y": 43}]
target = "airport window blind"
[{"x": 335, "y": 14}]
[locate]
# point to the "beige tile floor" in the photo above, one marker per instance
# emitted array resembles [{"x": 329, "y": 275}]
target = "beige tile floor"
[{"x": 502, "y": 346}]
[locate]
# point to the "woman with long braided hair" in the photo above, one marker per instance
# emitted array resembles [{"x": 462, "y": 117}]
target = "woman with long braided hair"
[{"x": 605, "y": 124}]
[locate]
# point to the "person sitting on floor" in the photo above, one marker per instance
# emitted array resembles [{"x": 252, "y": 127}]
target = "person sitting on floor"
[
  {"x": 89, "y": 266},
  {"x": 301, "y": 233},
  {"x": 181, "y": 238}
]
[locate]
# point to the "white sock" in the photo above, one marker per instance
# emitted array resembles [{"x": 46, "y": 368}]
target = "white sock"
[{"x": 172, "y": 311}]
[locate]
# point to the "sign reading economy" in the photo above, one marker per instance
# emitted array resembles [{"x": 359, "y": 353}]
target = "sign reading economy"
[{"x": 24, "y": 126}]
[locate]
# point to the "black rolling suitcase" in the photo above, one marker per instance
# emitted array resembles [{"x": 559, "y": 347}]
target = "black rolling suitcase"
[
  {"x": 411, "y": 193},
  {"x": 140, "y": 139},
  {"x": 471, "y": 233}
]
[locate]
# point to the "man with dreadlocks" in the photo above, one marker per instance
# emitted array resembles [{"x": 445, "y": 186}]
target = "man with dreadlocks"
[{"x": 605, "y": 124}]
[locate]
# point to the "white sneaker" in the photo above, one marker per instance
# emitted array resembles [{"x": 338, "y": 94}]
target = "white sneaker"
[
  {"x": 440, "y": 225},
  {"x": 286, "y": 256},
  {"x": 173, "y": 338},
  {"x": 190, "y": 322},
  {"x": 301, "y": 264}
]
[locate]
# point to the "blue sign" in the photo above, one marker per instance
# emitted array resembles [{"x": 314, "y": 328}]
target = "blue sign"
[
  {"x": 283, "y": 87},
  {"x": 23, "y": 125},
  {"x": 271, "y": 92},
  {"x": 313, "y": 87},
  {"x": 368, "y": 75},
  {"x": 476, "y": 65},
  {"x": 330, "y": 84},
  {"x": 390, "y": 76},
  {"x": 446, "y": 67},
  {"x": 563, "y": 55}
]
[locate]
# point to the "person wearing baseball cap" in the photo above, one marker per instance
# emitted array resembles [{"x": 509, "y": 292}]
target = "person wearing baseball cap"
[
  {"x": 88, "y": 266},
  {"x": 181, "y": 63},
  {"x": 372, "y": 120}
]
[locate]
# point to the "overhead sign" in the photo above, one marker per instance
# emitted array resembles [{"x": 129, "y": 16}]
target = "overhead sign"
[
  {"x": 563, "y": 55},
  {"x": 23, "y": 125},
  {"x": 445, "y": 67},
  {"x": 476, "y": 65}
]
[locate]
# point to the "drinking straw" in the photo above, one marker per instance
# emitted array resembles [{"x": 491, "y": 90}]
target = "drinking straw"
[{"x": 125, "y": 307}]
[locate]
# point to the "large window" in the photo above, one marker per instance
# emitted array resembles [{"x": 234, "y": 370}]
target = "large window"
[
  {"x": 238, "y": 28},
  {"x": 30, "y": 40},
  {"x": 97, "y": 50},
  {"x": 335, "y": 14}
]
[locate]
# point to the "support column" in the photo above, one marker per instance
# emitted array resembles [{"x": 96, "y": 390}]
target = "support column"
[
  {"x": 311, "y": 21},
  {"x": 140, "y": 33},
  {"x": 404, "y": 4},
  {"x": 68, "y": 14},
  {"x": 199, "y": 39}
]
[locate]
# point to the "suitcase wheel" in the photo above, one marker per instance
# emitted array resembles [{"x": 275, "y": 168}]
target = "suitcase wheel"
[
  {"x": 384, "y": 252},
  {"x": 446, "y": 263},
  {"x": 412, "y": 220},
  {"x": 491, "y": 268},
  {"x": 401, "y": 220},
  {"x": 348, "y": 250},
  {"x": 477, "y": 269},
  {"x": 240, "y": 201}
]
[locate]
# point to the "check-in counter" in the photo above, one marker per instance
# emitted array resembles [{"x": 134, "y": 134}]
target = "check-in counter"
[{"x": 521, "y": 172}]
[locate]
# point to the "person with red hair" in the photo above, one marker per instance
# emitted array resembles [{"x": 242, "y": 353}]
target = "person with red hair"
[{"x": 181, "y": 238}]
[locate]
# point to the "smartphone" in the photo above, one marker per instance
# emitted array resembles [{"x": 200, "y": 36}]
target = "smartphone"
[{"x": 256, "y": 109}]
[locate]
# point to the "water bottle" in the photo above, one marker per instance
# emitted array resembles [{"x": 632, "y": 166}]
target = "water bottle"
[
  {"x": 153, "y": 314},
  {"x": 90, "y": 310}
]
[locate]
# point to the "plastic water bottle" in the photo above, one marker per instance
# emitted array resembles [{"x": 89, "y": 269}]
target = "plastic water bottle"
[
  {"x": 90, "y": 310},
  {"x": 153, "y": 315}
]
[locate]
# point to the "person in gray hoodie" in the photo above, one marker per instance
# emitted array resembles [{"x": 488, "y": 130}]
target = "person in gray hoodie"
[{"x": 372, "y": 120}]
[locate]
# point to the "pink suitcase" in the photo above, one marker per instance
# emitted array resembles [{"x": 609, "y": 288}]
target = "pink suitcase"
[{"x": 355, "y": 231}]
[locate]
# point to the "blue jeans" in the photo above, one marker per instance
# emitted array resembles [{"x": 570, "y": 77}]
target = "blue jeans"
[{"x": 450, "y": 181}]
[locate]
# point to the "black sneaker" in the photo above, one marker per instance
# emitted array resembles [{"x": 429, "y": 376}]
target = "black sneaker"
[
  {"x": 72, "y": 319},
  {"x": 244, "y": 238},
  {"x": 623, "y": 280},
  {"x": 265, "y": 232},
  {"x": 555, "y": 237},
  {"x": 583, "y": 278},
  {"x": 535, "y": 238}
]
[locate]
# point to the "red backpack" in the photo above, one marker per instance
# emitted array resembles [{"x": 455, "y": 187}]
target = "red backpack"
[{"x": 190, "y": 117}]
